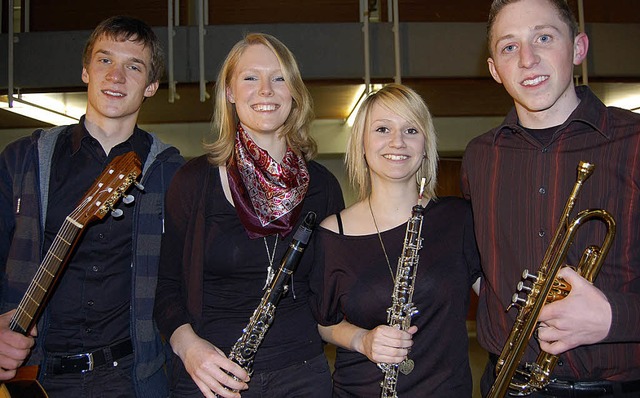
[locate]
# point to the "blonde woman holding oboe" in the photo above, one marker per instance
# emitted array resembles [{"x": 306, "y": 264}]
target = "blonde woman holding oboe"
[{"x": 392, "y": 146}]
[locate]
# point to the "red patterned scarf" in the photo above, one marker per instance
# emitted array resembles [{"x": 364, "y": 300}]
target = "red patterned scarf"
[{"x": 267, "y": 195}]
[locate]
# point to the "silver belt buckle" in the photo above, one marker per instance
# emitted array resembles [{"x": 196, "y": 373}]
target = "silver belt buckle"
[{"x": 89, "y": 356}]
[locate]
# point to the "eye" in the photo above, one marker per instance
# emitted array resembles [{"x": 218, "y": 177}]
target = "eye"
[
  {"x": 509, "y": 49},
  {"x": 104, "y": 60},
  {"x": 135, "y": 68},
  {"x": 278, "y": 79},
  {"x": 382, "y": 129},
  {"x": 250, "y": 78},
  {"x": 412, "y": 131},
  {"x": 544, "y": 38}
]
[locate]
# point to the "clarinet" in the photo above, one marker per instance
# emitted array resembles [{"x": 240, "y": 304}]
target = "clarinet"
[
  {"x": 244, "y": 350},
  {"x": 402, "y": 308}
]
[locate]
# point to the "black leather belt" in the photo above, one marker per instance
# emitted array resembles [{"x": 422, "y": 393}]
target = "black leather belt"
[{"x": 86, "y": 362}]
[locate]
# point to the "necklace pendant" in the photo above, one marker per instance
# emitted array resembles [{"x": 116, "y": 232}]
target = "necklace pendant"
[
  {"x": 406, "y": 366},
  {"x": 270, "y": 275}
]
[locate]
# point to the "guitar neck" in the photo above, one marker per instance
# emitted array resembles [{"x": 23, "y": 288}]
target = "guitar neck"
[{"x": 43, "y": 282}]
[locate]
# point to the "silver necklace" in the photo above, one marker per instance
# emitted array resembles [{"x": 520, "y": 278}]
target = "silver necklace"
[
  {"x": 384, "y": 250},
  {"x": 270, "y": 256}
]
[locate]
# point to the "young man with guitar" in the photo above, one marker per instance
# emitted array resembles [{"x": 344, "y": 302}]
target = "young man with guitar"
[{"x": 95, "y": 334}]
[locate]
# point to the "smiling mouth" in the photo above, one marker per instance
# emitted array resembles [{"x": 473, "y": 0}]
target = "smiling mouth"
[
  {"x": 113, "y": 93},
  {"x": 265, "y": 107},
  {"x": 395, "y": 157},
  {"x": 534, "y": 82}
]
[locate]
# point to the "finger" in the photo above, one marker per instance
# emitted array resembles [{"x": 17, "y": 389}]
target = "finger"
[
  {"x": 390, "y": 358},
  {"x": 7, "y": 374},
  {"x": 571, "y": 276},
  {"x": 236, "y": 371},
  {"x": 211, "y": 388},
  {"x": 230, "y": 380},
  {"x": 554, "y": 347}
]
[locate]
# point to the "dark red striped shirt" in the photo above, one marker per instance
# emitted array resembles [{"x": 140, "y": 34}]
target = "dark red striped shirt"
[{"x": 518, "y": 188}]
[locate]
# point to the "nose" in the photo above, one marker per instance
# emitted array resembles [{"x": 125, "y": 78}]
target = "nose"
[
  {"x": 528, "y": 56},
  {"x": 266, "y": 89},
  {"x": 397, "y": 140},
  {"x": 115, "y": 74}
]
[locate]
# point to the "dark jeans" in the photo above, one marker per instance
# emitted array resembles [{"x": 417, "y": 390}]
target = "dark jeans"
[
  {"x": 102, "y": 382},
  {"x": 309, "y": 379}
]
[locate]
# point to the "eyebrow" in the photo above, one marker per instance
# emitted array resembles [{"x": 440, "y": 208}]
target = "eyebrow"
[
  {"x": 535, "y": 29},
  {"x": 131, "y": 59}
]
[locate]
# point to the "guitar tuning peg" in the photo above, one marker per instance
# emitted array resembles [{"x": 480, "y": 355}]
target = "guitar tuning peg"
[
  {"x": 128, "y": 199},
  {"x": 138, "y": 185},
  {"x": 116, "y": 213}
]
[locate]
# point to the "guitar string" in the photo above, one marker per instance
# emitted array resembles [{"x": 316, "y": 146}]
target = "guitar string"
[
  {"x": 66, "y": 228},
  {"x": 29, "y": 302}
]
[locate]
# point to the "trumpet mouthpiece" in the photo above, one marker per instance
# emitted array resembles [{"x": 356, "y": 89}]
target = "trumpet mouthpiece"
[{"x": 584, "y": 170}]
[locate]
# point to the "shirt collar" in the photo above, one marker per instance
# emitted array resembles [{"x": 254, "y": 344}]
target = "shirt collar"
[
  {"x": 137, "y": 142},
  {"x": 590, "y": 111}
]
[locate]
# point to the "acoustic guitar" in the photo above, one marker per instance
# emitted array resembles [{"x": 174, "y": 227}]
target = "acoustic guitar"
[{"x": 100, "y": 199}]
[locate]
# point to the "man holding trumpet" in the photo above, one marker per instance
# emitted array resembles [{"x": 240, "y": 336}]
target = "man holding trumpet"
[{"x": 518, "y": 177}]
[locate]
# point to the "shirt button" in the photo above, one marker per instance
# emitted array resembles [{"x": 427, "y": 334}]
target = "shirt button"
[
  {"x": 545, "y": 150},
  {"x": 542, "y": 191},
  {"x": 90, "y": 303},
  {"x": 541, "y": 233},
  {"x": 88, "y": 330},
  {"x": 95, "y": 268},
  {"x": 101, "y": 236}
]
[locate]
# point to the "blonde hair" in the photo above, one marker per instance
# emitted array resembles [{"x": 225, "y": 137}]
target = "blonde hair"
[
  {"x": 225, "y": 118},
  {"x": 406, "y": 103}
]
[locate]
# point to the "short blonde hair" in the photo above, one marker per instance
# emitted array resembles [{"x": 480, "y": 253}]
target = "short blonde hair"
[
  {"x": 225, "y": 118},
  {"x": 408, "y": 104}
]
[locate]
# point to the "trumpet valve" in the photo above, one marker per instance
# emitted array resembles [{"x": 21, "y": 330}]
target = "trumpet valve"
[
  {"x": 527, "y": 276},
  {"x": 521, "y": 286},
  {"x": 516, "y": 301}
]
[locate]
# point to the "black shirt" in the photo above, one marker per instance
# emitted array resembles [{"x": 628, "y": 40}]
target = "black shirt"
[{"x": 90, "y": 304}]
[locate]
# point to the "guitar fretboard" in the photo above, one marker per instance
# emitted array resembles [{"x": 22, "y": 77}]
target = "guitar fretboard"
[{"x": 45, "y": 277}]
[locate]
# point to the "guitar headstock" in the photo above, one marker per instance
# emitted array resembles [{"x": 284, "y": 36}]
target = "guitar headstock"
[{"x": 108, "y": 188}]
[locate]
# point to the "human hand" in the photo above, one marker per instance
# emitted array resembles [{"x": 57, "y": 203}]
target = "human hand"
[
  {"x": 14, "y": 347},
  {"x": 207, "y": 365},
  {"x": 386, "y": 344},
  {"x": 581, "y": 318}
]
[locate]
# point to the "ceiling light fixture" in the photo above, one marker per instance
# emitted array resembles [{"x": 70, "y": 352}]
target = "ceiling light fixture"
[
  {"x": 47, "y": 114},
  {"x": 361, "y": 95}
]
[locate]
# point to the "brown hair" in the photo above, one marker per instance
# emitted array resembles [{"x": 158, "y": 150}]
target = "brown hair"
[{"x": 123, "y": 28}]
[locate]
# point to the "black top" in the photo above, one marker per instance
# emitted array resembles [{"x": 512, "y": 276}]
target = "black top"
[
  {"x": 212, "y": 274},
  {"x": 90, "y": 306},
  {"x": 353, "y": 281}
]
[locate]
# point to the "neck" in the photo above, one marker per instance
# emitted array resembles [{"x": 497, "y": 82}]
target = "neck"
[
  {"x": 107, "y": 132},
  {"x": 275, "y": 145},
  {"x": 555, "y": 115},
  {"x": 393, "y": 206}
]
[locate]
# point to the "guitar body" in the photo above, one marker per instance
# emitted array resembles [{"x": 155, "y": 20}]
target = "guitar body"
[{"x": 23, "y": 385}]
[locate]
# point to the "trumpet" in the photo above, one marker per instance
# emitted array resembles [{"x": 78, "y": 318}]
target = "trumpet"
[{"x": 546, "y": 288}]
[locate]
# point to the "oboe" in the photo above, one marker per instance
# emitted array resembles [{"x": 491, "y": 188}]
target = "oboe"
[
  {"x": 402, "y": 308},
  {"x": 244, "y": 350}
]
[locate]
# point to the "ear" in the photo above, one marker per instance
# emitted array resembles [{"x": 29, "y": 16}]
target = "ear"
[
  {"x": 85, "y": 75},
  {"x": 493, "y": 70},
  {"x": 230, "y": 97},
  {"x": 151, "y": 89},
  {"x": 580, "y": 48}
]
